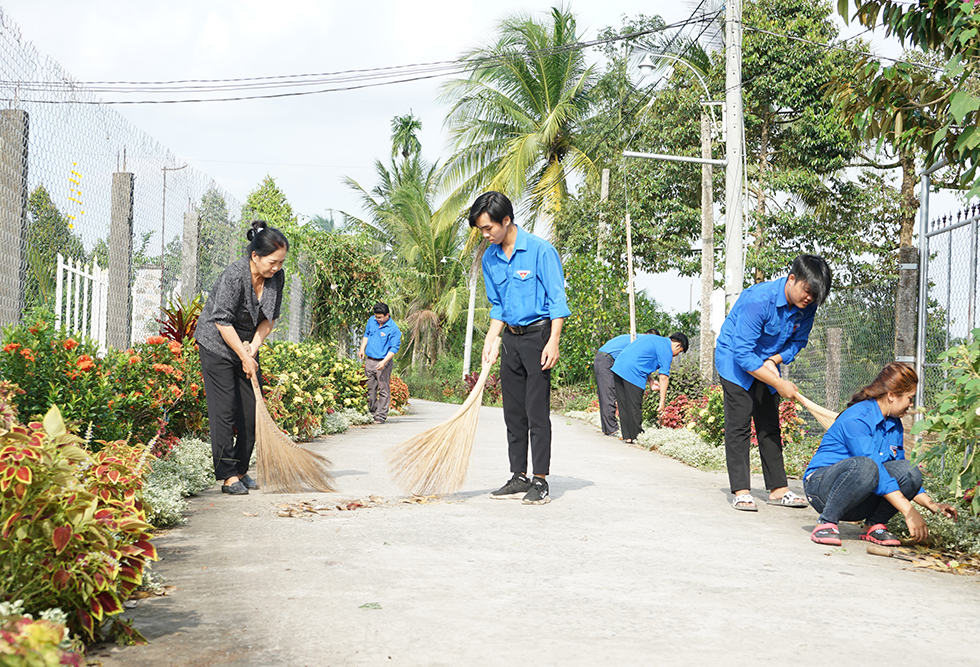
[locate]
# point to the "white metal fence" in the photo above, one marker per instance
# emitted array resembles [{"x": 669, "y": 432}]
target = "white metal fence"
[{"x": 81, "y": 299}]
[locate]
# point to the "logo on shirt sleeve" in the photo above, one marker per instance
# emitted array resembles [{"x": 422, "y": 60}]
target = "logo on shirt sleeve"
[{"x": 522, "y": 274}]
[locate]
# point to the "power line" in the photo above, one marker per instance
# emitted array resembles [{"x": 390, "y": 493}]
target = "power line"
[{"x": 326, "y": 82}]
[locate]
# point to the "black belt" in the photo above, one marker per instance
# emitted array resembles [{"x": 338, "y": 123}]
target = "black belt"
[
  {"x": 373, "y": 359},
  {"x": 528, "y": 328}
]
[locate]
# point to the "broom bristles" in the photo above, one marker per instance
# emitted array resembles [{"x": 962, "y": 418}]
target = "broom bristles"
[
  {"x": 436, "y": 461},
  {"x": 282, "y": 465},
  {"x": 824, "y": 416}
]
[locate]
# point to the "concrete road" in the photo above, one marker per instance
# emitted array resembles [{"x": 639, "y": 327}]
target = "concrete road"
[{"x": 638, "y": 560}]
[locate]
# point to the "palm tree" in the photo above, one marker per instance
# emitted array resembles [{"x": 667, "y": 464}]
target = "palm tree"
[
  {"x": 516, "y": 120},
  {"x": 403, "y": 139},
  {"x": 414, "y": 239}
]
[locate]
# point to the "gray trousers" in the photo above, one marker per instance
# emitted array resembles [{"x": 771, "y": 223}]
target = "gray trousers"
[
  {"x": 378, "y": 388},
  {"x": 606, "y": 387}
]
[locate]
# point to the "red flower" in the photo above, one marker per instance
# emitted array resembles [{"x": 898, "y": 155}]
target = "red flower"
[
  {"x": 70, "y": 344},
  {"x": 85, "y": 363},
  {"x": 28, "y": 354},
  {"x": 134, "y": 359},
  {"x": 156, "y": 340},
  {"x": 194, "y": 387},
  {"x": 10, "y": 347},
  {"x": 163, "y": 368},
  {"x": 175, "y": 347}
]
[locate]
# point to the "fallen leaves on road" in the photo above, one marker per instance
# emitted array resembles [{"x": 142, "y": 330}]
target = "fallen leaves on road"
[
  {"x": 922, "y": 557},
  {"x": 311, "y": 508},
  {"x": 370, "y": 605}
]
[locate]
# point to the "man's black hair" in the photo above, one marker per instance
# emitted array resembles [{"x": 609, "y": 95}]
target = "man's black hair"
[
  {"x": 494, "y": 204},
  {"x": 680, "y": 338},
  {"x": 381, "y": 308},
  {"x": 652, "y": 331},
  {"x": 815, "y": 273}
]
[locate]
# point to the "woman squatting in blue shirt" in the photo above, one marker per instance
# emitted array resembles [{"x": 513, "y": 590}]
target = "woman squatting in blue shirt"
[{"x": 860, "y": 472}]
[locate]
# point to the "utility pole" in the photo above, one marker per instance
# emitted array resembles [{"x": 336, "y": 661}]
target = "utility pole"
[
  {"x": 734, "y": 123},
  {"x": 706, "y": 350}
]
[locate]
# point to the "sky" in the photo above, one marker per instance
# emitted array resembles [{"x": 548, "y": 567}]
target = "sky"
[{"x": 308, "y": 144}]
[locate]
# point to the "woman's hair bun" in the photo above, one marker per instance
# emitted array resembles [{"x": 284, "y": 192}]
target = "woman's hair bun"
[{"x": 257, "y": 226}]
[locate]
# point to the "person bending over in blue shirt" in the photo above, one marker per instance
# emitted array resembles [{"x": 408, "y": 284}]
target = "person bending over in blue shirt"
[
  {"x": 645, "y": 355},
  {"x": 605, "y": 380},
  {"x": 526, "y": 289},
  {"x": 768, "y": 326},
  {"x": 860, "y": 473}
]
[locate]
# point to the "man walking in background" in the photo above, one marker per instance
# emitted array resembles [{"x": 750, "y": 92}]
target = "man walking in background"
[
  {"x": 380, "y": 343},
  {"x": 526, "y": 289}
]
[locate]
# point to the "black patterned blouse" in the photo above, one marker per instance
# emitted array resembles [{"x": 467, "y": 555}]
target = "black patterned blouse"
[{"x": 232, "y": 302}]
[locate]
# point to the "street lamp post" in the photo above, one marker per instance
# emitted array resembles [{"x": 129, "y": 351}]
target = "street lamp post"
[
  {"x": 470, "y": 310},
  {"x": 707, "y": 212}
]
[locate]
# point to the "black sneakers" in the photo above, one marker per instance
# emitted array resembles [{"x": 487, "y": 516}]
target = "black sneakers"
[
  {"x": 538, "y": 493},
  {"x": 515, "y": 488}
]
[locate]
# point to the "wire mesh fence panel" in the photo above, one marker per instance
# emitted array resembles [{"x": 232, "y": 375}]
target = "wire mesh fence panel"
[
  {"x": 77, "y": 178},
  {"x": 952, "y": 292},
  {"x": 853, "y": 337}
]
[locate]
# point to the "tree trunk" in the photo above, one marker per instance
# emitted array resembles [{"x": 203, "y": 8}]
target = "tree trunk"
[{"x": 910, "y": 203}]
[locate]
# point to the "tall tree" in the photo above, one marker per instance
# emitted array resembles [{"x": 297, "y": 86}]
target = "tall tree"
[
  {"x": 48, "y": 234},
  {"x": 517, "y": 119},
  {"x": 793, "y": 135},
  {"x": 216, "y": 239},
  {"x": 403, "y": 135},
  {"x": 413, "y": 238},
  {"x": 952, "y": 31}
]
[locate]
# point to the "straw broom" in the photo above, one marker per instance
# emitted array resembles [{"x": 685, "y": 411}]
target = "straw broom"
[
  {"x": 824, "y": 416},
  {"x": 435, "y": 461},
  {"x": 282, "y": 465}
]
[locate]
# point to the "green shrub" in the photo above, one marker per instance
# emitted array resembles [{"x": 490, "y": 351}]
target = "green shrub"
[
  {"x": 955, "y": 422},
  {"x": 685, "y": 379},
  {"x": 399, "y": 395},
  {"x": 73, "y": 533},
  {"x": 151, "y": 390},
  {"x": 185, "y": 471},
  {"x": 944, "y": 534},
  {"x": 306, "y": 380}
]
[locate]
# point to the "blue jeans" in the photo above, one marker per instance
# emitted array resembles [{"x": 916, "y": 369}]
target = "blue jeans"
[{"x": 845, "y": 491}]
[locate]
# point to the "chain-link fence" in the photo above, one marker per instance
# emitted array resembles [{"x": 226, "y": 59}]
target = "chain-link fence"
[
  {"x": 78, "y": 179},
  {"x": 950, "y": 306},
  {"x": 853, "y": 338}
]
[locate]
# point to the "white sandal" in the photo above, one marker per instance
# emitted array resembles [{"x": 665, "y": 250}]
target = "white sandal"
[{"x": 748, "y": 503}]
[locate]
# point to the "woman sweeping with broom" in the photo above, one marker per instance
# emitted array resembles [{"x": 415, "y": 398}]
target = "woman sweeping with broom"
[{"x": 238, "y": 316}]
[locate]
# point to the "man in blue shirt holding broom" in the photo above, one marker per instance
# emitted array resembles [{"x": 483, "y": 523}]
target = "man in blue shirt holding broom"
[
  {"x": 526, "y": 289},
  {"x": 768, "y": 326}
]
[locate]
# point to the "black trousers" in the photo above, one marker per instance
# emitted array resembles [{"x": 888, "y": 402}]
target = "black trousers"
[
  {"x": 606, "y": 386},
  {"x": 630, "y": 400},
  {"x": 526, "y": 393},
  {"x": 742, "y": 407},
  {"x": 231, "y": 410}
]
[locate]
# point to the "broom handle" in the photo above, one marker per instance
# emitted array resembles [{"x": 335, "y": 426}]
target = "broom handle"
[
  {"x": 807, "y": 403},
  {"x": 481, "y": 381}
]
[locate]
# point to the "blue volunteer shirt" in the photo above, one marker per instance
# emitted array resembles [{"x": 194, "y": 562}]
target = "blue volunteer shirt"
[
  {"x": 643, "y": 356},
  {"x": 761, "y": 324},
  {"x": 528, "y": 287},
  {"x": 616, "y": 345},
  {"x": 382, "y": 338},
  {"x": 862, "y": 430}
]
